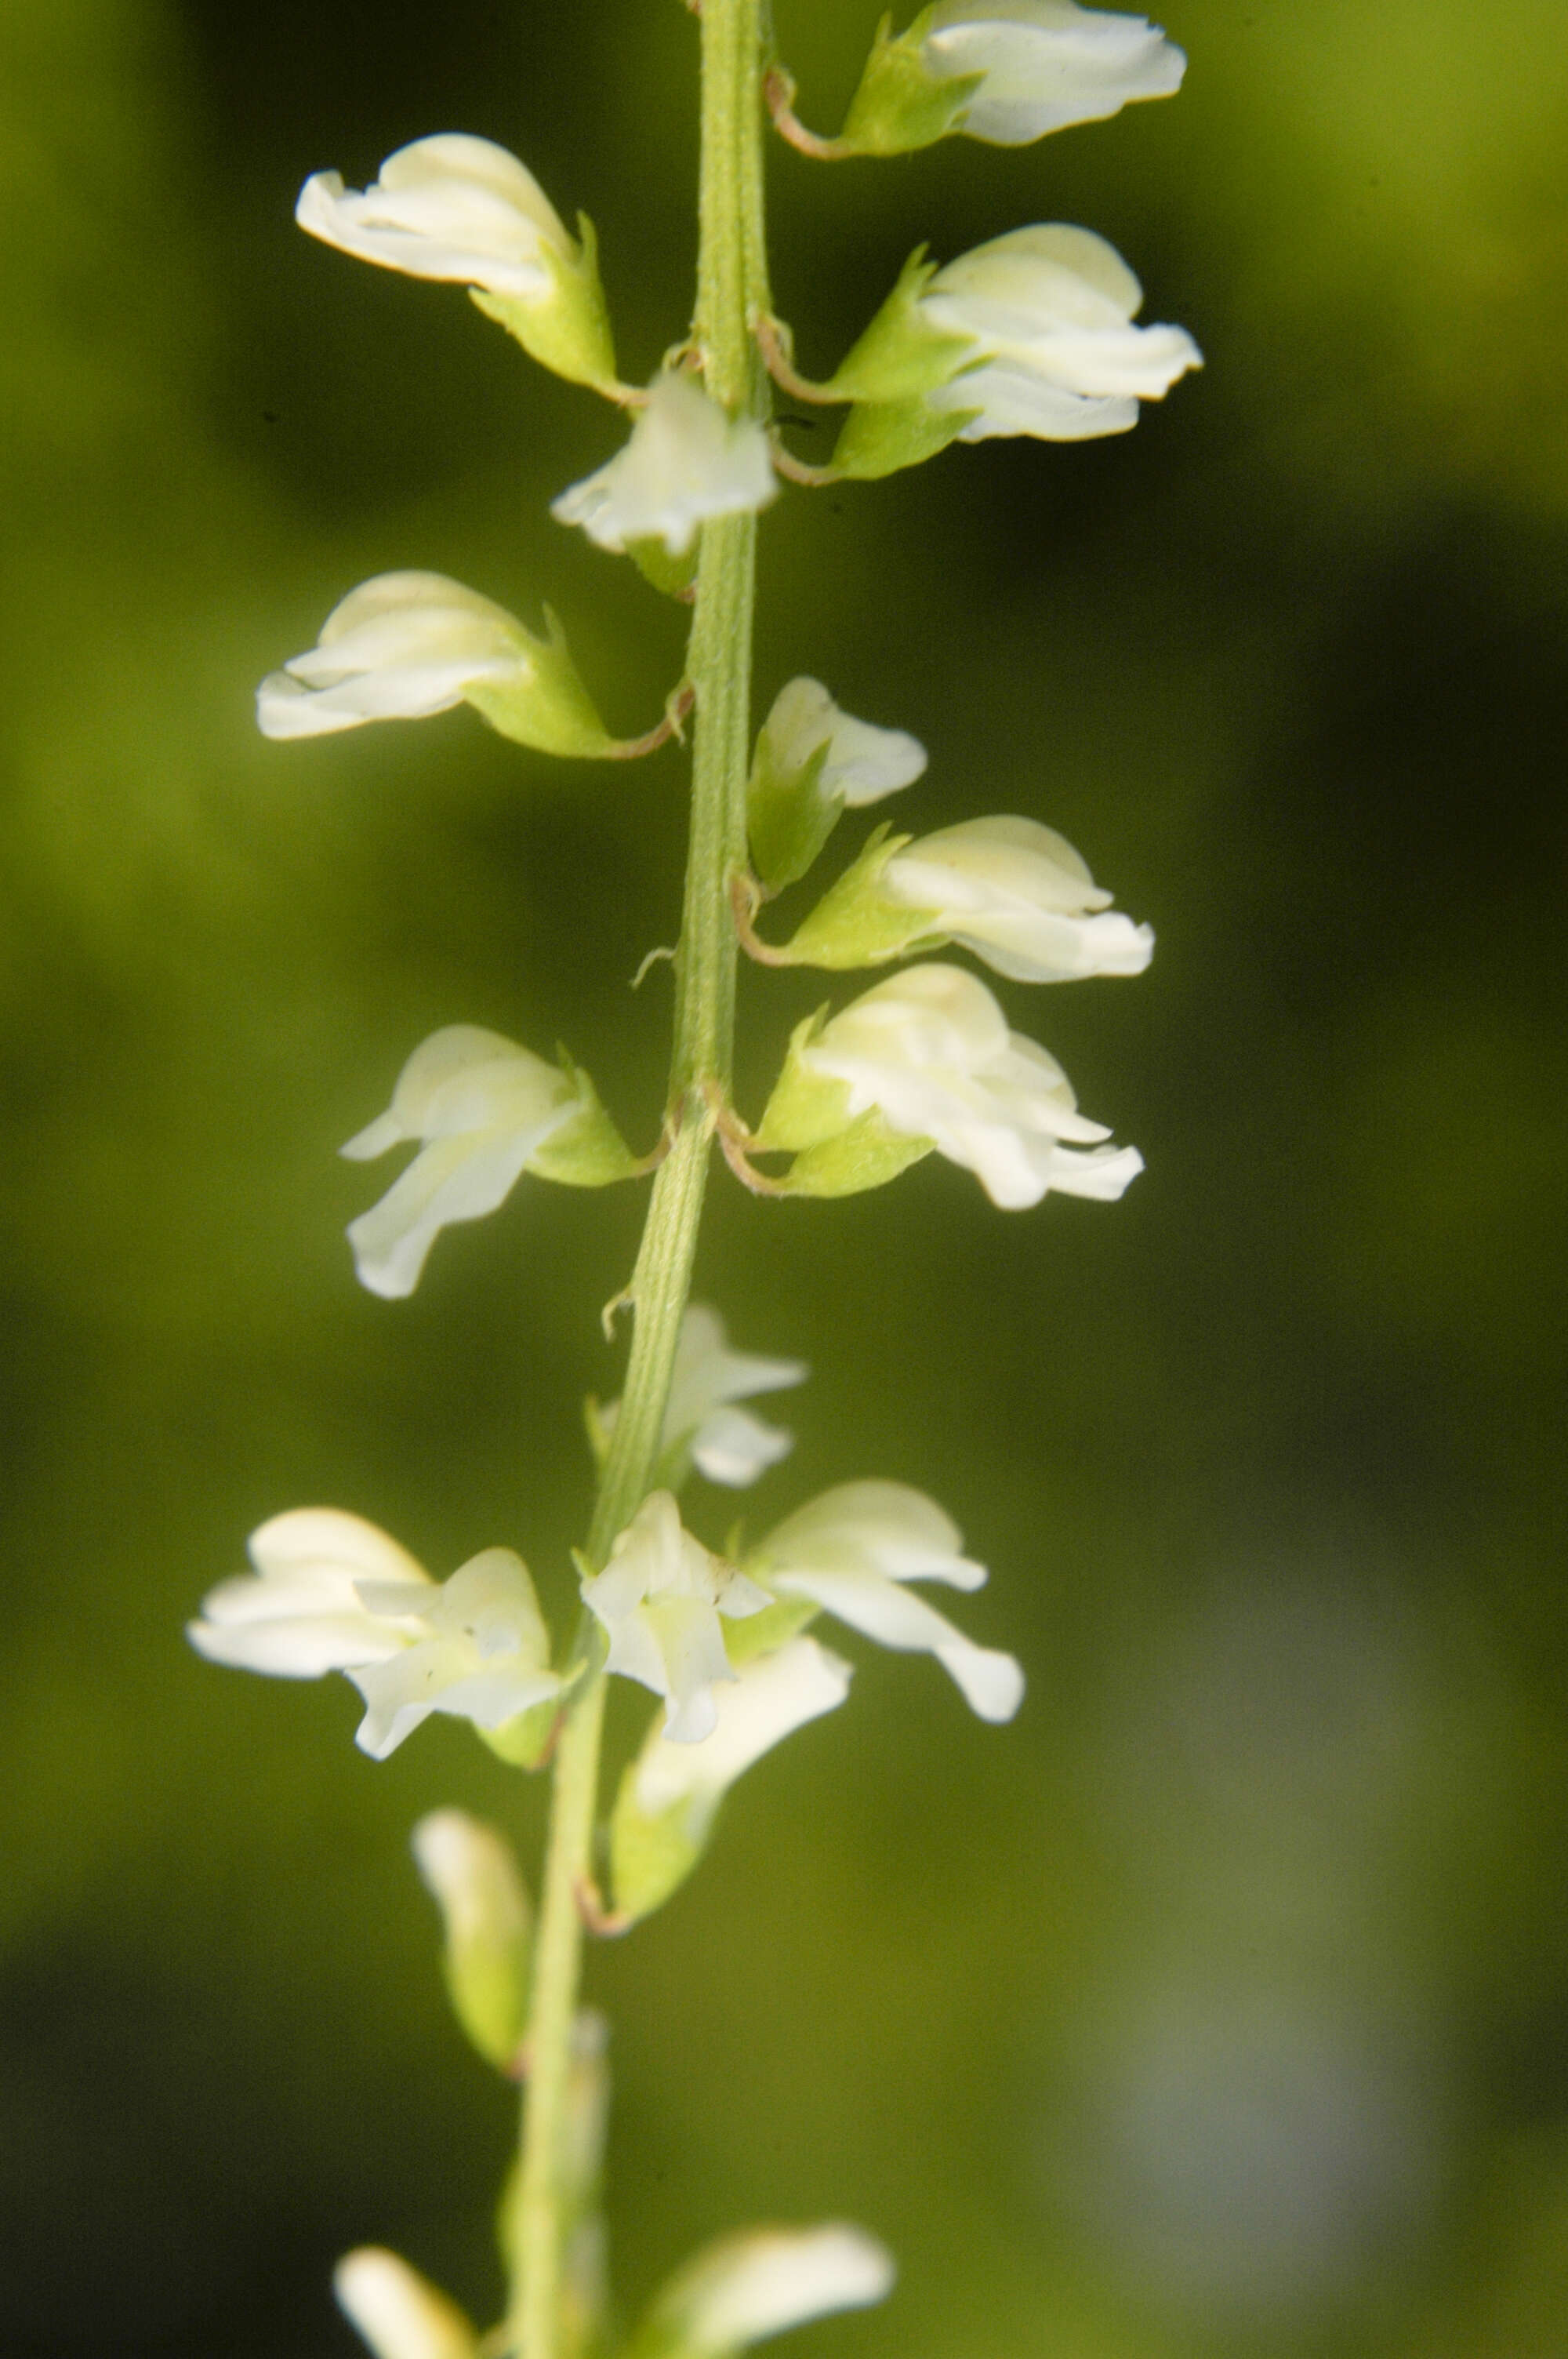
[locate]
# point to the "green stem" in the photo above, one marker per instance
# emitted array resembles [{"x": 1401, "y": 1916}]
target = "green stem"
[{"x": 731, "y": 293}]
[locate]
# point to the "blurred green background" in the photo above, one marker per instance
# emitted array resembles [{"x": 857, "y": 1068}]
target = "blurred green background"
[{"x": 1220, "y": 2004}]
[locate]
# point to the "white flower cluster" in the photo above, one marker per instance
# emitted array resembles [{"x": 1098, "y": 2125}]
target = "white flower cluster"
[{"x": 329, "y": 1591}]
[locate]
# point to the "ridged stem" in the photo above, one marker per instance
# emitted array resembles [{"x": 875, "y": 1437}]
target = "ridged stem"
[{"x": 731, "y": 293}]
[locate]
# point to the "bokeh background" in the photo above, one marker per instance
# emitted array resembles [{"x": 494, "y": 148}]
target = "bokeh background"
[{"x": 1220, "y": 2004}]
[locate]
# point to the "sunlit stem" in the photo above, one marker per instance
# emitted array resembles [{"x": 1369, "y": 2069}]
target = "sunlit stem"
[{"x": 731, "y": 287}]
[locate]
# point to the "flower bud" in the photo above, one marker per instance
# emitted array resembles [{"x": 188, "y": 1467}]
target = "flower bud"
[
  {"x": 1003, "y": 70},
  {"x": 469, "y": 1870},
  {"x": 1013, "y": 892},
  {"x": 670, "y": 1795},
  {"x": 688, "y": 460},
  {"x": 1030, "y": 333},
  {"x": 406, "y": 645},
  {"x": 812, "y": 762},
  {"x": 745, "y": 2287},
  {"x": 462, "y": 209},
  {"x": 398, "y": 2313}
]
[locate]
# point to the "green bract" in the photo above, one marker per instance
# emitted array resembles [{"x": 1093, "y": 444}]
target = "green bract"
[
  {"x": 567, "y": 328},
  {"x": 587, "y": 1151},
  {"x": 901, "y": 103},
  {"x": 469, "y": 1870},
  {"x": 857, "y": 924},
  {"x": 902, "y": 352},
  {"x": 809, "y": 1114},
  {"x": 549, "y": 708}
]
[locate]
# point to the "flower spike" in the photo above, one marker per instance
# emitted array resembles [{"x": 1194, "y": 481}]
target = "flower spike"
[{"x": 464, "y": 209}]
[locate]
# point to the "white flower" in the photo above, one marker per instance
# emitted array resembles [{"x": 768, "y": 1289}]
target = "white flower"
[
  {"x": 686, "y": 461},
  {"x": 659, "y": 1599},
  {"x": 483, "y": 1107},
  {"x": 931, "y": 1050},
  {"x": 726, "y": 1444},
  {"x": 1020, "y": 897},
  {"x": 851, "y": 1549},
  {"x": 745, "y": 2287},
  {"x": 1050, "y": 313},
  {"x": 404, "y": 646},
  {"x": 771, "y": 1697},
  {"x": 1045, "y": 63},
  {"x": 399, "y": 2313},
  {"x": 450, "y": 207},
  {"x": 331, "y": 1592},
  {"x": 862, "y": 763}
]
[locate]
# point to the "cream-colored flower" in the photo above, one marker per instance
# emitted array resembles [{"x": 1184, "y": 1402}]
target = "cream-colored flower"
[
  {"x": 725, "y": 1443},
  {"x": 1044, "y": 63},
  {"x": 852, "y": 1550},
  {"x": 1049, "y": 314},
  {"x": 398, "y": 2313},
  {"x": 745, "y": 2287},
  {"x": 931, "y": 1052},
  {"x": 1021, "y": 897},
  {"x": 332, "y": 1593},
  {"x": 404, "y": 646},
  {"x": 450, "y": 207},
  {"x": 686, "y": 461},
  {"x": 1013, "y": 892},
  {"x": 659, "y": 1599},
  {"x": 482, "y": 1108}
]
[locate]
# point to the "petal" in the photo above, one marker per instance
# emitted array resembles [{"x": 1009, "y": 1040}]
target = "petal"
[
  {"x": 448, "y": 208},
  {"x": 302, "y": 1649},
  {"x": 991, "y": 1683},
  {"x": 1038, "y": 946},
  {"x": 465, "y": 1077},
  {"x": 879, "y": 1608},
  {"x": 745, "y": 2287},
  {"x": 1047, "y": 64},
  {"x": 635, "y": 1653},
  {"x": 769, "y": 1698},
  {"x": 1012, "y": 400},
  {"x": 884, "y": 1527},
  {"x": 399, "y": 2313},
  {"x": 453, "y": 1179},
  {"x": 692, "y": 1647},
  {"x": 328, "y": 1537},
  {"x": 733, "y": 1447}
]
